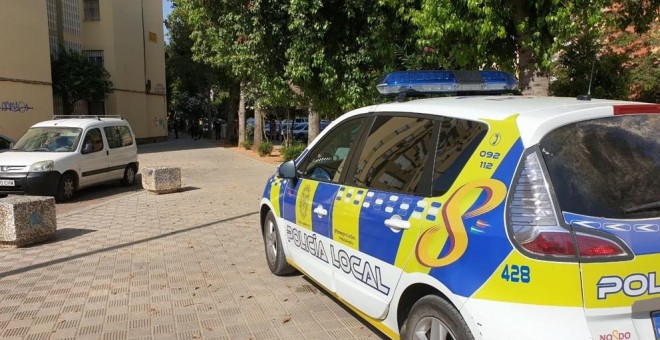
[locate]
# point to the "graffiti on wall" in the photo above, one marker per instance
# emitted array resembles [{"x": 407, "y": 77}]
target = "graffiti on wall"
[
  {"x": 159, "y": 122},
  {"x": 15, "y": 106}
]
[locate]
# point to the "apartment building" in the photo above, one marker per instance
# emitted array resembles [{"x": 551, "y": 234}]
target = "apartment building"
[{"x": 125, "y": 36}]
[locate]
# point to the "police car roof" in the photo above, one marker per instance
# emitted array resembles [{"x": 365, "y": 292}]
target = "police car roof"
[{"x": 536, "y": 115}]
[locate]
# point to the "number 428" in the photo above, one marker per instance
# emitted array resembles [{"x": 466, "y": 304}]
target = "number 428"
[{"x": 515, "y": 273}]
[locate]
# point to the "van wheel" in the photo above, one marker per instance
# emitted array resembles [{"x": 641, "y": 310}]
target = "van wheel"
[
  {"x": 66, "y": 189},
  {"x": 434, "y": 318},
  {"x": 129, "y": 175},
  {"x": 273, "y": 245}
]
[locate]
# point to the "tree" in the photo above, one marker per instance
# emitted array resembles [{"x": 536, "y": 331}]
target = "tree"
[
  {"x": 587, "y": 65},
  {"x": 77, "y": 77},
  {"x": 191, "y": 81},
  {"x": 339, "y": 50},
  {"x": 517, "y": 35}
]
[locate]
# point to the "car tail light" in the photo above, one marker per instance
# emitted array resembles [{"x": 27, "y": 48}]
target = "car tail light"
[
  {"x": 535, "y": 227},
  {"x": 592, "y": 246}
]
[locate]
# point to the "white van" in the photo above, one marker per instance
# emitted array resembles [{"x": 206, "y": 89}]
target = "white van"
[{"x": 59, "y": 156}]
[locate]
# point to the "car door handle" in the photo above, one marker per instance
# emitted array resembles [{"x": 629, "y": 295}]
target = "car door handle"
[
  {"x": 320, "y": 211},
  {"x": 397, "y": 224}
]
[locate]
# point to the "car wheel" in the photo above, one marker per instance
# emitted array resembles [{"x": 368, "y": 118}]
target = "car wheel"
[
  {"x": 66, "y": 189},
  {"x": 434, "y": 318},
  {"x": 129, "y": 175},
  {"x": 273, "y": 245}
]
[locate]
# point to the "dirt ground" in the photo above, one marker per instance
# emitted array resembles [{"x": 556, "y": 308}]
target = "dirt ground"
[{"x": 274, "y": 157}]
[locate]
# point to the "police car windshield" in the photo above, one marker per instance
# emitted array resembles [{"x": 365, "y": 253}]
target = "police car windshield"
[
  {"x": 49, "y": 139},
  {"x": 606, "y": 167}
]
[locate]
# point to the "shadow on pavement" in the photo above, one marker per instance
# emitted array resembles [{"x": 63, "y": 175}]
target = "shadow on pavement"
[
  {"x": 176, "y": 145},
  {"x": 119, "y": 246},
  {"x": 105, "y": 190},
  {"x": 317, "y": 288},
  {"x": 66, "y": 234},
  {"x": 188, "y": 188}
]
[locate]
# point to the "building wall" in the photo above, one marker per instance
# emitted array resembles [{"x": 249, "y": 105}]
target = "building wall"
[
  {"x": 133, "y": 53},
  {"x": 134, "y": 58},
  {"x": 25, "y": 79}
]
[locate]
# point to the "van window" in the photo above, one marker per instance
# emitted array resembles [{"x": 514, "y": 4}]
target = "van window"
[
  {"x": 118, "y": 136},
  {"x": 113, "y": 135},
  {"x": 93, "y": 136},
  {"x": 49, "y": 139},
  {"x": 456, "y": 143},
  {"x": 394, "y": 154},
  {"x": 126, "y": 136}
]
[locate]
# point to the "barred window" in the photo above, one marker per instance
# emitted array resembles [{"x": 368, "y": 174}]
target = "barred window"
[
  {"x": 95, "y": 55},
  {"x": 92, "y": 10}
]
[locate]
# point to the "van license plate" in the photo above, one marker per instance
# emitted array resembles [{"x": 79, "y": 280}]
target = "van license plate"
[
  {"x": 656, "y": 323},
  {"x": 6, "y": 183}
]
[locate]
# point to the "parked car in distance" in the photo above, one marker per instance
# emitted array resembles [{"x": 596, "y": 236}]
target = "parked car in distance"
[
  {"x": 5, "y": 143},
  {"x": 301, "y": 131},
  {"x": 57, "y": 157},
  {"x": 478, "y": 216}
]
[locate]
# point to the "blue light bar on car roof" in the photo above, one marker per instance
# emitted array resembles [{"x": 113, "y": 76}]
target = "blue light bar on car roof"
[{"x": 447, "y": 82}]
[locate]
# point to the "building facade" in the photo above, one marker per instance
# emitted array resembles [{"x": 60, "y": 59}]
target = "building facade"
[{"x": 125, "y": 36}]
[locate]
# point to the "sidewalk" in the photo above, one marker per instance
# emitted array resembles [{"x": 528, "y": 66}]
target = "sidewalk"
[{"x": 187, "y": 265}]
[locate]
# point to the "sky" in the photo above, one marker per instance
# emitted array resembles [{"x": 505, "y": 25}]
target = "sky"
[{"x": 167, "y": 9}]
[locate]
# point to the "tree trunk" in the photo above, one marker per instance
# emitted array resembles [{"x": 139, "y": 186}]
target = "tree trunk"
[
  {"x": 232, "y": 108},
  {"x": 525, "y": 67},
  {"x": 68, "y": 105},
  {"x": 241, "y": 116},
  {"x": 313, "y": 123},
  {"x": 525, "y": 54},
  {"x": 258, "y": 128}
]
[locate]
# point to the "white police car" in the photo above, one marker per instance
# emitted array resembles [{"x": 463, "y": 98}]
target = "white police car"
[{"x": 479, "y": 217}]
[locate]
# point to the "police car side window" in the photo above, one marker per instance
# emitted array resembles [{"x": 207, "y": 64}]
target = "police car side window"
[
  {"x": 394, "y": 154},
  {"x": 326, "y": 161},
  {"x": 457, "y": 141}
]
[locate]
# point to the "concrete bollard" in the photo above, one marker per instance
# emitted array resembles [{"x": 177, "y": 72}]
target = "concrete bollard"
[
  {"x": 25, "y": 220},
  {"x": 161, "y": 180}
]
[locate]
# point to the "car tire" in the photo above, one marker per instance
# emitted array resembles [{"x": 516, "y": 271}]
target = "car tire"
[
  {"x": 3, "y": 195},
  {"x": 275, "y": 256},
  {"x": 129, "y": 175},
  {"x": 66, "y": 189},
  {"x": 432, "y": 317}
]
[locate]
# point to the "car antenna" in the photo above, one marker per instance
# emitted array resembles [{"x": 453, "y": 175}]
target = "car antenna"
[{"x": 587, "y": 97}]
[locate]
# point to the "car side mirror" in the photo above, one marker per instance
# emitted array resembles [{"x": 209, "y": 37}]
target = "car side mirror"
[
  {"x": 87, "y": 148},
  {"x": 287, "y": 170}
]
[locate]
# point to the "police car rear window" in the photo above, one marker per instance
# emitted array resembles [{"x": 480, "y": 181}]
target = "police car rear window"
[{"x": 606, "y": 167}]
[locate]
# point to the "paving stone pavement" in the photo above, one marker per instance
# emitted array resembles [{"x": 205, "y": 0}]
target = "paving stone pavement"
[{"x": 186, "y": 265}]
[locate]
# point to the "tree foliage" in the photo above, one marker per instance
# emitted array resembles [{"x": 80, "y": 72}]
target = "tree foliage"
[
  {"x": 326, "y": 56},
  {"x": 77, "y": 77},
  {"x": 586, "y": 65},
  {"x": 518, "y": 35},
  {"x": 191, "y": 81}
]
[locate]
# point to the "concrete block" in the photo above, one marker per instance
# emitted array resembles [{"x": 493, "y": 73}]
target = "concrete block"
[
  {"x": 161, "y": 180},
  {"x": 25, "y": 220}
]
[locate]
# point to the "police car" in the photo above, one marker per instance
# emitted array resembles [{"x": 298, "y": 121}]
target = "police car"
[{"x": 478, "y": 217}]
